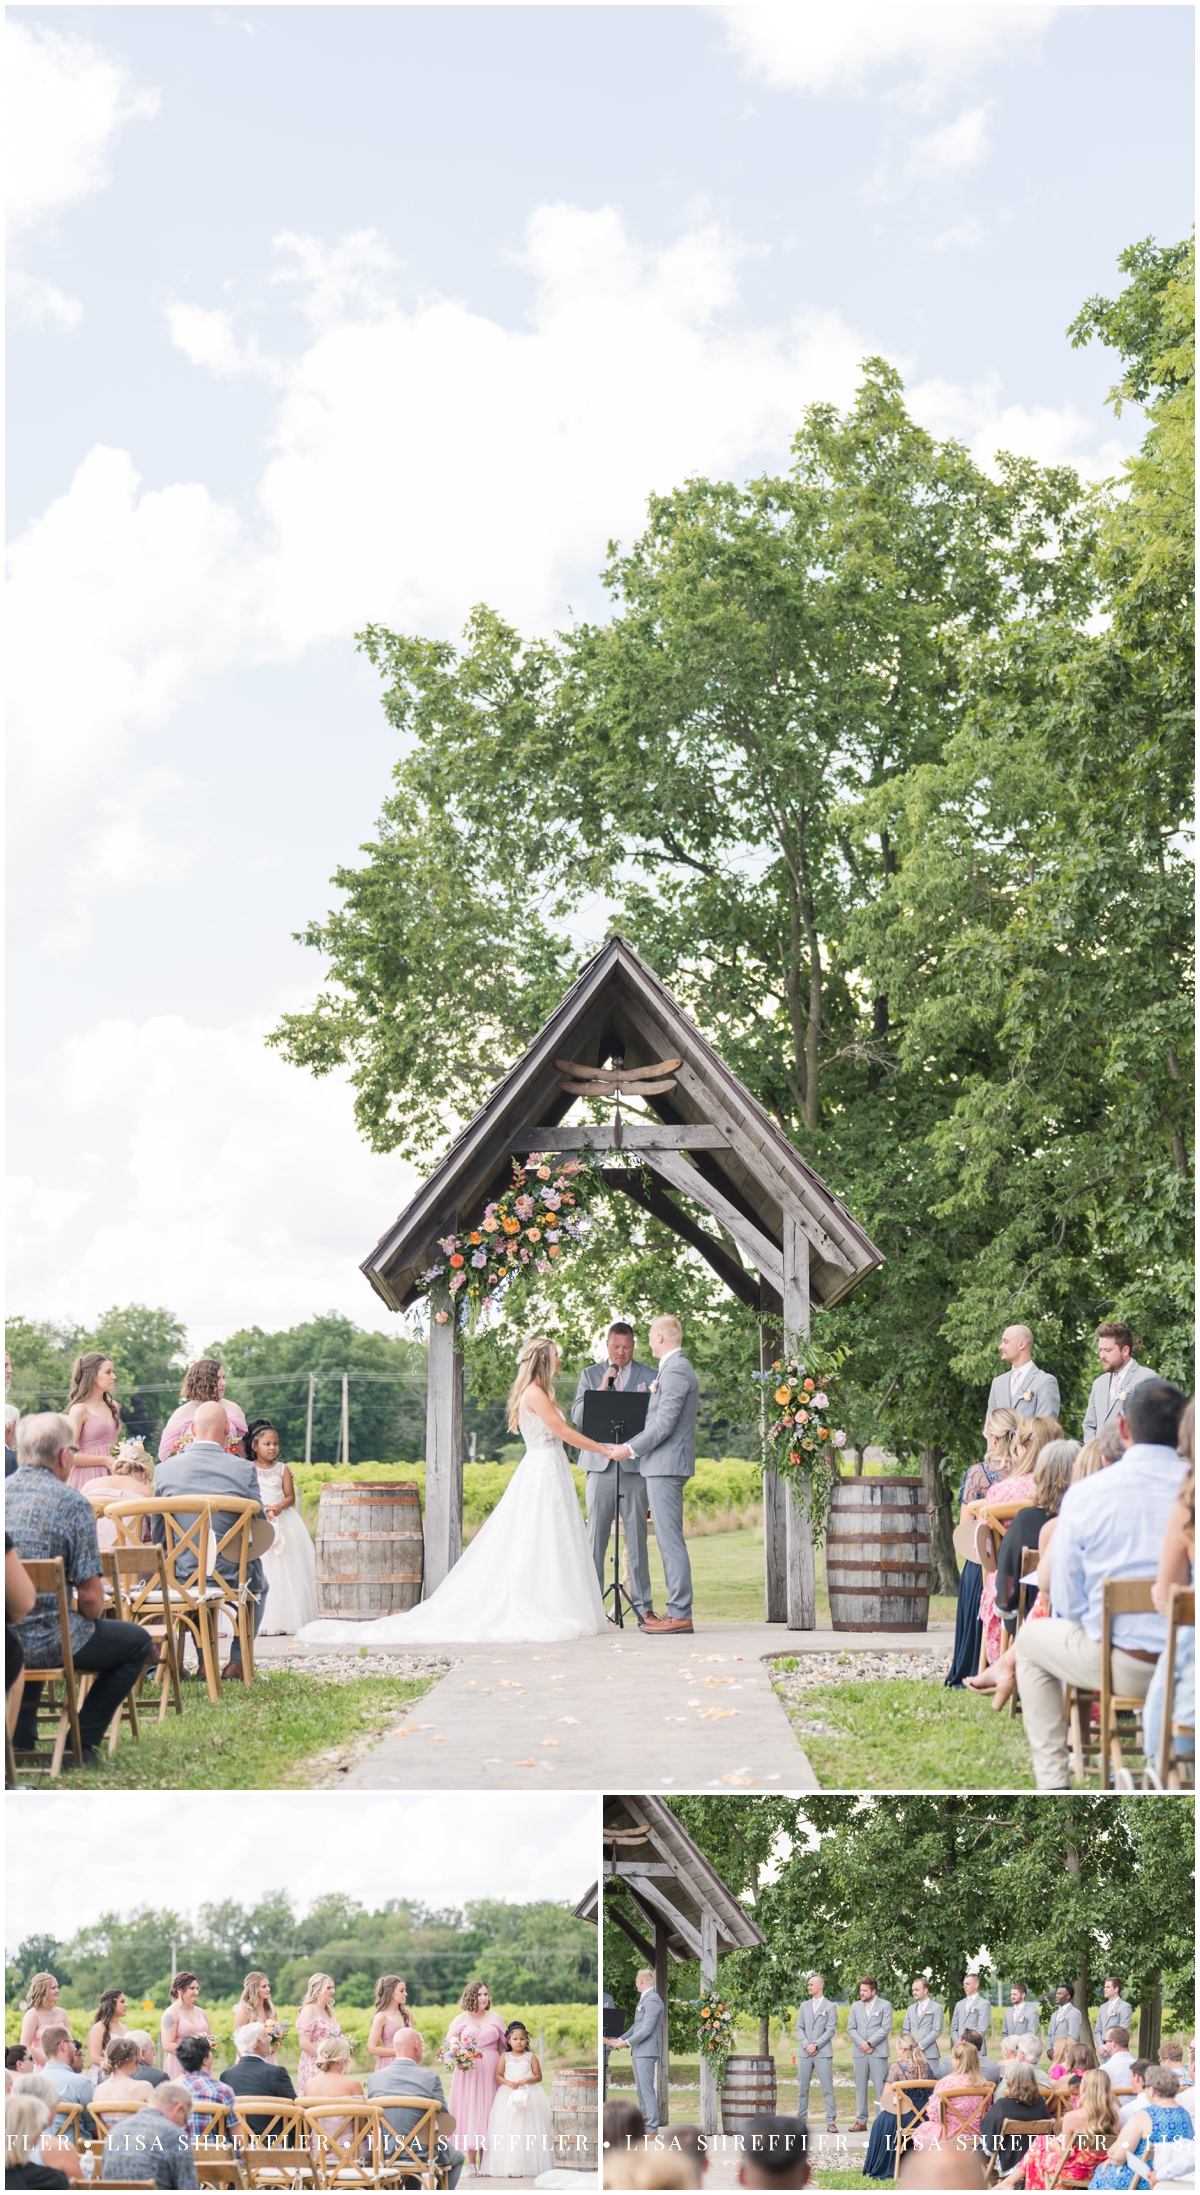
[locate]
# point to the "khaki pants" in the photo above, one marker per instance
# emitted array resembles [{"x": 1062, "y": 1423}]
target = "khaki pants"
[{"x": 1052, "y": 1653}]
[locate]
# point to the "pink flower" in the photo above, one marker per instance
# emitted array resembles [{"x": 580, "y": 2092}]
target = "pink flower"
[
  {"x": 820, "y": 1402},
  {"x": 543, "y": 1173},
  {"x": 534, "y": 1234},
  {"x": 441, "y": 1317},
  {"x": 839, "y": 1440},
  {"x": 524, "y": 1207}
]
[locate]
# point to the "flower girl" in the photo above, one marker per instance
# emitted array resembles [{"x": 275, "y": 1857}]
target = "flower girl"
[
  {"x": 518, "y": 2135},
  {"x": 290, "y": 1566}
]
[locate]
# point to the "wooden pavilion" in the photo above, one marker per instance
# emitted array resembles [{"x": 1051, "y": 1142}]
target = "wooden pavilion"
[
  {"x": 689, "y": 1913},
  {"x": 786, "y": 1243}
]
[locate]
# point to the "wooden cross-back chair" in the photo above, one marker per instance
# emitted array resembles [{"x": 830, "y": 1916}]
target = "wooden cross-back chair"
[
  {"x": 137, "y": 1580},
  {"x": 345, "y": 2140},
  {"x": 1119, "y": 1714},
  {"x": 198, "y": 1593},
  {"x": 911, "y": 2100},
  {"x": 1009, "y": 2129},
  {"x": 275, "y": 2149},
  {"x": 1172, "y": 1765},
  {"x": 105, "y": 2117},
  {"x": 960, "y": 2110},
  {"x": 399, "y": 2157},
  {"x": 57, "y": 1677}
]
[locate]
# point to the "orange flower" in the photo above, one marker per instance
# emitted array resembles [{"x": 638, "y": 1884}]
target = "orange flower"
[
  {"x": 475, "y": 1238},
  {"x": 543, "y": 1173},
  {"x": 458, "y": 1259},
  {"x": 810, "y": 1385},
  {"x": 511, "y": 1226},
  {"x": 551, "y": 1249}
]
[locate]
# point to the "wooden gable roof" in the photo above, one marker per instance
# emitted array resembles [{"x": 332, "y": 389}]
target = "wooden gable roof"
[
  {"x": 716, "y": 1145},
  {"x": 647, "y": 1849}
]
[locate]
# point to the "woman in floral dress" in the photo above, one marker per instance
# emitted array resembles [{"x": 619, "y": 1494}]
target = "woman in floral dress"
[
  {"x": 965, "y": 2060},
  {"x": 1158, "y": 2120},
  {"x": 472, "y": 2090},
  {"x": 1085, "y": 2135},
  {"x": 314, "y": 2024}
]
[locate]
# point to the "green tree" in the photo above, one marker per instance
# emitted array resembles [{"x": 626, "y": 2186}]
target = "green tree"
[{"x": 267, "y": 1375}]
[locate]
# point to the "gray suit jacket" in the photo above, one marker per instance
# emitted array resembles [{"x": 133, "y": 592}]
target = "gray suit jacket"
[
  {"x": 924, "y": 2023},
  {"x": 1037, "y": 1393},
  {"x": 666, "y": 1446},
  {"x": 973, "y": 2012},
  {"x": 1020, "y": 2019},
  {"x": 1100, "y": 1410},
  {"x": 203, "y": 1468},
  {"x": 645, "y": 2036},
  {"x": 870, "y": 2023},
  {"x": 641, "y": 1376},
  {"x": 817, "y": 2024},
  {"x": 1114, "y": 2012},
  {"x": 403, "y": 2079},
  {"x": 1066, "y": 2024}
]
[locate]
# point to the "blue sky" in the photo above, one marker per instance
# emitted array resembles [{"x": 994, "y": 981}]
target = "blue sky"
[{"x": 327, "y": 314}]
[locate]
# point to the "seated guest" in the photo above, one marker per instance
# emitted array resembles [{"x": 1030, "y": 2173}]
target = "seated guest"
[
  {"x": 624, "y": 2135},
  {"x": 1020, "y": 2098},
  {"x": 668, "y": 2168},
  {"x": 774, "y": 2153},
  {"x": 153, "y": 2143},
  {"x": 1073, "y": 2061},
  {"x": 909, "y": 2070},
  {"x": 1127, "y": 2105},
  {"x": 1159, "y": 2121},
  {"x": 414, "y": 2079},
  {"x": 1110, "y": 1526},
  {"x": 47, "y": 1518},
  {"x": 1082, "y": 2141},
  {"x": 55, "y": 2148},
  {"x": 989, "y": 2069},
  {"x": 25, "y": 2121},
  {"x": 999, "y": 1460},
  {"x": 1031, "y": 2051},
  {"x": 1028, "y": 1530},
  {"x": 333, "y": 2079},
  {"x": 19, "y": 2060},
  {"x": 253, "y": 2074},
  {"x": 1176, "y": 1566},
  {"x": 1115, "y": 2057},
  {"x": 964, "y": 2061},
  {"x": 145, "y": 2069},
  {"x": 1029, "y": 1440},
  {"x": 1187, "y": 2095},
  {"x": 1012, "y": 2058},
  {"x": 205, "y": 1467},
  {"x": 64, "y": 2064},
  {"x": 117, "y": 2084},
  {"x": 1096, "y": 1455},
  {"x": 195, "y": 2056}
]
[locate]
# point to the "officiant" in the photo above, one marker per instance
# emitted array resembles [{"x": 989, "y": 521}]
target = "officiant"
[{"x": 620, "y": 1373}]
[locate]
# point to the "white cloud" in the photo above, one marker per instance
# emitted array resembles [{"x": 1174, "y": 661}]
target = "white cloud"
[
  {"x": 965, "y": 235},
  {"x": 924, "y": 51},
  {"x": 65, "y": 104},
  {"x": 962, "y": 143},
  {"x": 207, "y": 338},
  {"x": 205, "y": 1173},
  {"x": 1053, "y": 435}
]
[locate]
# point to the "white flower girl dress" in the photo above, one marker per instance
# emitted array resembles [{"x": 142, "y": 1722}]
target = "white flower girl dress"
[
  {"x": 518, "y": 2137},
  {"x": 290, "y": 1566}
]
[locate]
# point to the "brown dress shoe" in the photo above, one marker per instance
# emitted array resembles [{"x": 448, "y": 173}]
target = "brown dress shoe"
[
  {"x": 669, "y": 1623},
  {"x": 233, "y": 1673}
]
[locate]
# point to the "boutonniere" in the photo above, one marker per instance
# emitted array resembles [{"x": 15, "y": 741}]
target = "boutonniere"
[
  {"x": 654, "y": 1387},
  {"x": 1027, "y": 1396}
]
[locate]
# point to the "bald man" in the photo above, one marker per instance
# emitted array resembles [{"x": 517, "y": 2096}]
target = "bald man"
[
  {"x": 205, "y": 1467},
  {"x": 1032, "y": 1394}
]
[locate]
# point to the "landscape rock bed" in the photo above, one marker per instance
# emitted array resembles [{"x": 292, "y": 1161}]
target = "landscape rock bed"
[{"x": 813, "y": 1670}]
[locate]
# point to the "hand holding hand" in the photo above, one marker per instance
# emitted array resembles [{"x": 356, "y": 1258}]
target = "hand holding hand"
[{"x": 621, "y": 1454}]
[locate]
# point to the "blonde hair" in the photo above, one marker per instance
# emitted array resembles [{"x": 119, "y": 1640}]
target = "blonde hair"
[
  {"x": 260, "y": 2002},
  {"x": 1000, "y": 1425},
  {"x": 535, "y": 1368},
  {"x": 1096, "y": 1454},
  {"x": 1031, "y": 1436},
  {"x": 335, "y": 2050},
  {"x": 39, "y": 1989},
  {"x": 122, "y": 2050},
  {"x": 1052, "y": 1474},
  {"x": 1096, "y": 2101},
  {"x": 668, "y": 1324},
  {"x": 316, "y": 1983},
  {"x": 131, "y": 1466},
  {"x": 965, "y": 2059},
  {"x": 660, "y": 2169},
  {"x": 25, "y": 2118}
]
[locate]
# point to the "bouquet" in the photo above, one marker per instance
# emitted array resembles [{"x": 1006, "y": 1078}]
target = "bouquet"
[
  {"x": 540, "y": 1215},
  {"x": 459, "y": 2054},
  {"x": 716, "y": 2033},
  {"x": 798, "y": 1442}
]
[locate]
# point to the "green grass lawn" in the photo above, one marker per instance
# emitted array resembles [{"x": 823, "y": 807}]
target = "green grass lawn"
[
  {"x": 727, "y": 1578},
  {"x": 257, "y": 1737},
  {"x": 893, "y": 1735}
]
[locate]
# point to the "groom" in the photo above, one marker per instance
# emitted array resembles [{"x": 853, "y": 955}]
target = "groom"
[
  {"x": 619, "y": 1374},
  {"x": 665, "y": 1452}
]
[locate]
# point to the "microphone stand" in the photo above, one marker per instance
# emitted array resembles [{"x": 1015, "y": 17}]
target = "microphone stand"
[{"x": 619, "y": 1595}]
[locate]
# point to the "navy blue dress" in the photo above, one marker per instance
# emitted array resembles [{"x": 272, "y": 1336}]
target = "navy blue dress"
[
  {"x": 880, "y": 2160},
  {"x": 965, "y": 1661}
]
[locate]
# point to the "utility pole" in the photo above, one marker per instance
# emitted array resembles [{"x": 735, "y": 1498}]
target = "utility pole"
[
  {"x": 345, "y": 1417},
  {"x": 312, "y": 1381}
]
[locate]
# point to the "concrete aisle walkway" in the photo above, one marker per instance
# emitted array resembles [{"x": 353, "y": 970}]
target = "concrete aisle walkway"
[{"x": 623, "y": 1711}]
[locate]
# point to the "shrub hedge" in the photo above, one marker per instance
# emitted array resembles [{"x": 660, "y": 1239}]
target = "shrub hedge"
[
  {"x": 727, "y": 1484},
  {"x": 570, "y": 2029}
]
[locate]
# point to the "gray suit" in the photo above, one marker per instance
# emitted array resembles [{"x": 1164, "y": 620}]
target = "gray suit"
[
  {"x": 924, "y": 2023},
  {"x": 1035, "y": 1393},
  {"x": 816, "y": 2023},
  {"x": 973, "y": 2012},
  {"x": 1108, "y": 1394},
  {"x": 403, "y": 2079},
  {"x": 645, "y": 2040},
  {"x": 601, "y": 1488},
  {"x": 666, "y": 1453},
  {"x": 1114, "y": 2012},
  {"x": 1020, "y": 2019},
  {"x": 205, "y": 1468},
  {"x": 989, "y": 2069},
  {"x": 869, "y": 2022},
  {"x": 1066, "y": 2024}
]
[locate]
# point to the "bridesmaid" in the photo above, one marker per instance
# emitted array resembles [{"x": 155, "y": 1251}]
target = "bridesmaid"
[
  {"x": 182, "y": 2017},
  {"x": 109, "y": 2021},
  {"x": 42, "y": 1996},
  {"x": 392, "y": 2017},
  {"x": 314, "y": 2023},
  {"x": 472, "y": 2094},
  {"x": 203, "y": 1382},
  {"x": 254, "y": 2005},
  {"x": 94, "y": 1416}
]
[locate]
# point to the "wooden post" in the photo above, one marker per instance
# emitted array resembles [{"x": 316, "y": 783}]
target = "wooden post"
[
  {"x": 663, "y": 2075},
  {"x": 774, "y": 1502},
  {"x": 345, "y": 1417},
  {"x": 801, "y": 1566},
  {"x": 443, "y": 1456},
  {"x": 312, "y": 1382},
  {"x": 708, "y": 1974}
]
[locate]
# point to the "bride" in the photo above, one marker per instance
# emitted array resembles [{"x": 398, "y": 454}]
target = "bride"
[{"x": 528, "y": 1574}]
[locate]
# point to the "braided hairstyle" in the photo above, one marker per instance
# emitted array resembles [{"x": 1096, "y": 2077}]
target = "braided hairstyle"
[{"x": 259, "y": 1426}]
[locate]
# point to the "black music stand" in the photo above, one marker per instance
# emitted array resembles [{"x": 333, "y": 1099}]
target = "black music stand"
[{"x": 609, "y": 1415}]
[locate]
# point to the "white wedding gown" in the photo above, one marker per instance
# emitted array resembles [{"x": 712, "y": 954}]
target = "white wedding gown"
[{"x": 528, "y": 1573}]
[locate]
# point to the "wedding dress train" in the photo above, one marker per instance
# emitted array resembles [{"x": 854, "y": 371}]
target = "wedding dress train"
[{"x": 528, "y": 1574}]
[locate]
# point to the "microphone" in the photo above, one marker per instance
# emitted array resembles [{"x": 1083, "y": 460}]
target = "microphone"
[{"x": 612, "y": 1368}]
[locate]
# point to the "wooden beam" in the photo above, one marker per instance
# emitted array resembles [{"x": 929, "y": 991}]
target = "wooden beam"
[
  {"x": 443, "y": 1456},
  {"x": 649, "y": 1891},
  {"x": 708, "y": 1973},
  {"x": 774, "y": 1490},
  {"x": 639, "y": 1942},
  {"x": 662, "y": 1207},
  {"x": 797, "y": 1320},
  {"x": 762, "y": 1253},
  {"x": 635, "y": 1136},
  {"x": 644, "y": 1867},
  {"x": 663, "y": 2075},
  {"x": 763, "y": 1163}
]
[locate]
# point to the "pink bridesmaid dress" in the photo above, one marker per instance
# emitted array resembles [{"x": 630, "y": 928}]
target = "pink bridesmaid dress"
[
  {"x": 316, "y": 2029},
  {"x": 177, "y": 1432},
  {"x": 194, "y": 2022},
  {"x": 97, "y": 1435},
  {"x": 995, "y": 1635},
  {"x": 391, "y": 2028},
  {"x": 473, "y": 2094}
]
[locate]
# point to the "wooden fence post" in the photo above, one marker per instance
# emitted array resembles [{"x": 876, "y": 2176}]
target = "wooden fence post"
[
  {"x": 708, "y": 1975},
  {"x": 801, "y": 1563},
  {"x": 662, "y": 1968},
  {"x": 774, "y": 1499},
  {"x": 443, "y": 1456}
]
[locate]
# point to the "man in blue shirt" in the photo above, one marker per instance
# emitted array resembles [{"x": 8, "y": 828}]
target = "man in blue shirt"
[
  {"x": 1111, "y": 1525},
  {"x": 46, "y": 1518}
]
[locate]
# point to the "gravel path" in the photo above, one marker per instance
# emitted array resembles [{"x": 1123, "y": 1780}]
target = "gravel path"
[{"x": 812, "y": 1670}]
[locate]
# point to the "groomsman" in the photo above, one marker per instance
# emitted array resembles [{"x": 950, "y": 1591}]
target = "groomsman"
[
  {"x": 972, "y": 2010},
  {"x": 816, "y": 2026},
  {"x": 869, "y": 2028},
  {"x": 1023, "y": 1388},
  {"x": 923, "y": 2021},
  {"x": 1021, "y": 2017},
  {"x": 1066, "y": 2020},
  {"x": 619, "y": 1374},
  {"x": 1114, "y": 2012},
  {"x": 1121, "y": 1374}
]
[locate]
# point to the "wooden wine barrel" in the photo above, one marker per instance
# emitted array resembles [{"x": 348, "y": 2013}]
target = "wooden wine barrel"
[
  {"x": 747, "y": 2092},
  {"x": 878, "y": 1555},
  {"x": 370, "y": 1548},
  {"x": 573, "y": 2119}
]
